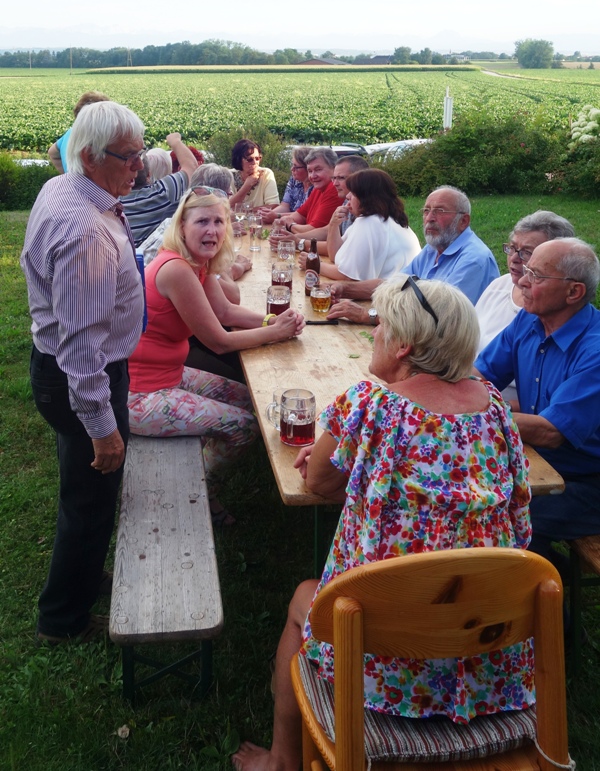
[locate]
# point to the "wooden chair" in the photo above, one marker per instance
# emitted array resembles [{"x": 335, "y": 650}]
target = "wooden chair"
[{"x": 436, "y": 605}]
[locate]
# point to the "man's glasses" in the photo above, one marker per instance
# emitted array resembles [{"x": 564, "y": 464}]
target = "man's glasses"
[
  {"x": 523, "y": 254},
  {"x": 412, "y": 282},
  {"x": 437, "y": 212},
  {"x": 129, "y": 160},
  {"x": 535, "y": 278}
]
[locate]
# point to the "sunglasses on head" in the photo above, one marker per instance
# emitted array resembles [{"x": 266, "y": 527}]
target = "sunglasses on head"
[
  {"x": 205, "y": 190},
  {"x": 412, "y": 282}
]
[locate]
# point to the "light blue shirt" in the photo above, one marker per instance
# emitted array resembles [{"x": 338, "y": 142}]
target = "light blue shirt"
[{"x": 467, "y": 264}]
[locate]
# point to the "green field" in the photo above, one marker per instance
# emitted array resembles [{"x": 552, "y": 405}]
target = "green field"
[{"x": 303, "y": 106}]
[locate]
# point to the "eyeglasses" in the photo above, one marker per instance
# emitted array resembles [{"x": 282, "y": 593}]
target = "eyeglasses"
[
  {"x": 254, "y": 159},
  {"x": 535, "y": 278},
  {"x": 437, "y": 212},
  {"x": 338, "y": 179},
  {"x": 297, "y": 168},
  {"x": 206, "y": 190},
  {"x": 129, "y": 160},
  {"x": 412, "y": 282},
  {"x": 523, "y": 254}
]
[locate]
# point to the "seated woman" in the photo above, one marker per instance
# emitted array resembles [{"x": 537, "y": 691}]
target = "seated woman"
[
  {"x": 426, "y": 458},
  {"x": 253, "y": 184},
  {"x": 297, "y": 189},
  {"x": 503, "y": 298},
  {"x": 380, "y": 242},
  {"x": 183, "y": 298}
]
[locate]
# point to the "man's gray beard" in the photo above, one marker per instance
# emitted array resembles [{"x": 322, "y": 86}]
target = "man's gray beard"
[{"x": 443, "y": 239}]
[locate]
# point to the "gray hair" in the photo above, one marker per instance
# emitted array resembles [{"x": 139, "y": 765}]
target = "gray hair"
[
  {"x": 447, "y": 349},
  {"x": 326, "y": 153},
  {"x": 581, "y": 263},
  {"x": 547, "y": 222},
  {"x": 463, "y": 205},
  {"x": 356, "y": 162},
  {"x": 213, "y": 175},
  {"x": 97, "y": 126},
  {"x": 159, "y": 163}
]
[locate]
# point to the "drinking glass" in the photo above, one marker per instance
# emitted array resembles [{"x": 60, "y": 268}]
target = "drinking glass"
[
  {"x": 320, "y": 298},
  {"x": 278, "y": 299},
  {"x": 255, "y": 227},
  {"x": 294, "y": 415},
  {"x": 238, "y": 235},
  {"x": 282, "y": 273},
  {"x": 286, "y": 250}
]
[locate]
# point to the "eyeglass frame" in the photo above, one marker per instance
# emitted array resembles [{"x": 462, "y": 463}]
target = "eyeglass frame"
[
  {"x": 129, "y": 160},
  {"x": 295, "y": 167},
  {"x": 509, "y": 249},
  {"x": 253, "y": 160},
  {"x": 437, "y": 211},
  {"x": 412, "y": 282},
  {"x": 535, "y": 278}
]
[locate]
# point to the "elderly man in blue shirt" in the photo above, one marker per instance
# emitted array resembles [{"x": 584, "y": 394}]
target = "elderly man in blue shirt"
[
  {"x": 86, "y": 303},
  {"x": 552, "y": 350},
  {"x": 453, "y": 253}
]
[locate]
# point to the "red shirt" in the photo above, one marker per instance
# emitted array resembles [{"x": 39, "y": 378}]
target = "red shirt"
[{"x": 320, "y": 205}]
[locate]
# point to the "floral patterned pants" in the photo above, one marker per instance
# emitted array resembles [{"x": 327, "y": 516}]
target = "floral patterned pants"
[{"x": 203, "y": 404}]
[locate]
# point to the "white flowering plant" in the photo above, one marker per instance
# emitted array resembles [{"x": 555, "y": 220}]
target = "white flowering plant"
[{"x": 586, "y": 128}]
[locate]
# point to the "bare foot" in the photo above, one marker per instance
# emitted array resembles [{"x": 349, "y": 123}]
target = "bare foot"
[{"x": 249, "y": 757}]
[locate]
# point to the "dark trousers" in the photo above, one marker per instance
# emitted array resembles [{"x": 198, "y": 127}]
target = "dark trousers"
[
  {"x": 87, "y": 499},
  {"x": 567, "y": 516}
]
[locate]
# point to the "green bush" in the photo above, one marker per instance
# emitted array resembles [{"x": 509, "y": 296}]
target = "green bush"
[
  {"x": 581, "y": 175},
  {"x": 482, "y": 154},
  {"x": 20, "y": 185}
]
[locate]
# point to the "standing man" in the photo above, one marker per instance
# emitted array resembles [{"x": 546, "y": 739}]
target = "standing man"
[
  {"x": 552, "y": 349},
  {"x": 86, "y": 303},
  {"x": 453, "y": 253}
]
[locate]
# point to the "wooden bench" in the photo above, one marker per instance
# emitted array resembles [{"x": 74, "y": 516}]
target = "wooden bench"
[
  {"x": 585, "y": 571},
  {"x": 166, "y": 583}
]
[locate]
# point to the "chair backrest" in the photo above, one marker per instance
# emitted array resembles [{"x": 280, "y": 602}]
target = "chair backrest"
[{"x": 445, "y": 604}]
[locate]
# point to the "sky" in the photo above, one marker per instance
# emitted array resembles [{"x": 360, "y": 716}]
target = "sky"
[{"x": 351, "y": 26}]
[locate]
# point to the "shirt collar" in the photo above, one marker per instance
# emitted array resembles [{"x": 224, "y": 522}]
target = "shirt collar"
[
  {"x": 102, "y": 200},
  {"x": 565, "y": 335}
]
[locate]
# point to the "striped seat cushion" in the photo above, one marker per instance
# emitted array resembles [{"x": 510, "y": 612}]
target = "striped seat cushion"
[{"x": 431, "y": 739}]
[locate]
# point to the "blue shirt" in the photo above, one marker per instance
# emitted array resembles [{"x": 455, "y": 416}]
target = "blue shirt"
[
  {"x": 558, "y": 377},
  {"x": 467, "y": 264},
  {"x": 294, "y": 194}
]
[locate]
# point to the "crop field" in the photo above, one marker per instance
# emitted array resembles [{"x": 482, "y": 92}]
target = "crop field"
[{"x": 302, "y": 106}]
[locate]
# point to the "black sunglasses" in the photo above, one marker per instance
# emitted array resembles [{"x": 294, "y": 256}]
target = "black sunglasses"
[{"x": 412, "y": 282}]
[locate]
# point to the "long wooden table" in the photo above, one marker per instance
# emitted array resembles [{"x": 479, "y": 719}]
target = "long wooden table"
[{"x": 327, "y": 360}]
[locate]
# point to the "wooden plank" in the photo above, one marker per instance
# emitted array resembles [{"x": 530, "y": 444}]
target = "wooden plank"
[
  {"x": 166, "y": 582},
  {"x": 543, "y": 478},
  {"x": 588, "y": 549}
]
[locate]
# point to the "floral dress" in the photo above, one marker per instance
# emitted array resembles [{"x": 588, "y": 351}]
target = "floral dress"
[{"x": 420, "y": 481}]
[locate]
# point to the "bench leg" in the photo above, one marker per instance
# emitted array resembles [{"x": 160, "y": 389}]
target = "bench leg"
[{"x": 128, "y": 674}]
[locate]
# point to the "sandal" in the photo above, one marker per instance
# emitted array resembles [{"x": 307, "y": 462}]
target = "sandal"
[{"x": 221, "y": 517}]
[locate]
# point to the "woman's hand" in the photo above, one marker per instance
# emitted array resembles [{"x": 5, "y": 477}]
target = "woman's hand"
[
  {"x": 339, "y": 215},
  {"x": 252, "y": 179},
  {"x": 240, "y": 266},
  {"x": 301, "y": 462},
  {"x": 290, "y": 323},
  {"x": 302, "y": 260}
]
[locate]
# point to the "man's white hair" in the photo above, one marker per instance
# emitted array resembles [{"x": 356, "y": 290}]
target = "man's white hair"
[{"x": 97, "y": 126}]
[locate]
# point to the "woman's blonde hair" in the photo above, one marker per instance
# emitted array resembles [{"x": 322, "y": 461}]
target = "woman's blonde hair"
[
  {"x": 446, "y": 348},
  {"x": 173, "y": 238}
]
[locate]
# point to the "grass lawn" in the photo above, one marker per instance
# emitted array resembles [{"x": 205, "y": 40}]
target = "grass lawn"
[{"x": 62, "y": 708}]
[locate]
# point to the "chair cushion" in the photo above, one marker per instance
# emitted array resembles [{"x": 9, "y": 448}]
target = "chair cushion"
[{"x": 388, "y": 737}]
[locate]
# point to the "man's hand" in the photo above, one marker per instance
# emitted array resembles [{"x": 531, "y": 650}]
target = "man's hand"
[
  {"x": 109, "y": 453},
  {"x": 347, "y": 309},
  {"x": 338, "y": 290}
]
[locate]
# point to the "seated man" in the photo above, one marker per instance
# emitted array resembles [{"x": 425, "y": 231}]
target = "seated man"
[
  {"x": 148, "y": 205},
  {"x": 553, "y": 352},
  {"x": 453, "y": 253},
  {"x": 503, "y": 298},
  {"x": 316, "y": 211}
]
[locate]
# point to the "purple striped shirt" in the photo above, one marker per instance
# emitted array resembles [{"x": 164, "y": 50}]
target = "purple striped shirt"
[{"x": 85, "y": 293}]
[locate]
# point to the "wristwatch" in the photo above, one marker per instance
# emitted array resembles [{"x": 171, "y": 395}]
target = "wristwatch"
[
  {"x": 373, "y": 317},
  {"x": 301, "y": 244}
]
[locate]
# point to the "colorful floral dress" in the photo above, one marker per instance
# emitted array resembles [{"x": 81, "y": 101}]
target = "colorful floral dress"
[{"x": 420, "y": 481}]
